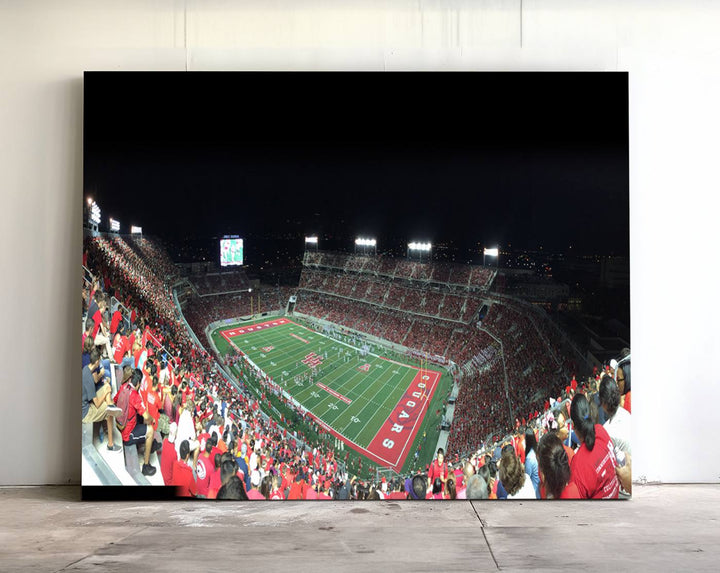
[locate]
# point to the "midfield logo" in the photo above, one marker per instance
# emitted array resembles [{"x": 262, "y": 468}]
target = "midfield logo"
[
  {"x": 267, "y": 348},
  {"x": 365, "y": 368},
  {"x": 312, "y": 360}
]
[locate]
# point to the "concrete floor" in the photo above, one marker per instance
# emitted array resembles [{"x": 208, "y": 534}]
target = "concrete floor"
[{"x": 663, "y": 528}]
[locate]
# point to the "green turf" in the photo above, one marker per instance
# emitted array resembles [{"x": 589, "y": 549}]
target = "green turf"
[{"x": 374, "y": 393}]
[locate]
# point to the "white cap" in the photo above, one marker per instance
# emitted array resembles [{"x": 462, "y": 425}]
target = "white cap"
[
  {"x": 255, "y": 478},
  {"x": 173, "y": 432}
]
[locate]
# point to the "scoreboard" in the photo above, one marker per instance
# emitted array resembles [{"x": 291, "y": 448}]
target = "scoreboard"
[{"x": 231, "y": 252}]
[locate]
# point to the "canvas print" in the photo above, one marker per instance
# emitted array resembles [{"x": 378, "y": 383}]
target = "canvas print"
[{"x": 356, "y": 286}]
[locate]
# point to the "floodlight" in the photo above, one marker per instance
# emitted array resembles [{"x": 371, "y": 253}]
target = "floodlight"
[
  {"x": 90, "y": 200},
  {"x": 114, "y": 225},
  {"x": 414, "y": 246},
  {"x": 490, "y": 252},
  {"x": 94, "y": 212},
  {"x": 136, "y": 230},
  {"x": 365, "y": 242},
  {"x": 311, "y": 240}
]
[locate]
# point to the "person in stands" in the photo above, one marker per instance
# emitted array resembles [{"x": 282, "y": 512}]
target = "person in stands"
[
  {"x": 477, "y": 488},
  {"x": 516, "y": 482},
  {"x": 183, "y": 477},
  {"x": 531, "y": 463},
  {"x": 97, "y": 404},
  {"x": 169, "y": 455},
  {"x": 593, "y": 465},
  {"x": 554, "y": 469},
  {"x": 233, "y": 490},
  {"x": 438, "y": 469},
  {"x": 617, "y": 422},
  {"x": 132, "y": 432}
]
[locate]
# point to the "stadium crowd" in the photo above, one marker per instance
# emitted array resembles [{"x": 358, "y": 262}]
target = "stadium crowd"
[
  {"x": 213, "y": 440},
  {"x": 438, "y": 272}
]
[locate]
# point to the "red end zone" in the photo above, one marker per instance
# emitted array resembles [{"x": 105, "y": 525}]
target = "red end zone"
[
  {"x": 254, "y": 327},
  {"x": 395, "y": 437},
  {"x": 392, "y": 443}
]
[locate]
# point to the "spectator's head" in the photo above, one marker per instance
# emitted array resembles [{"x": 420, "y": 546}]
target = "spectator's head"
[
  {"x": 255, "y": 479},
  {"x": 227, "y": 469},
  {"x": 553, "y": 465},
  {"x": 437, "y": 486},
  {"x": 266, "y": 486},
  {"x": 468, "y": 470},
  {"x": 127, "y": 374},
  {"x": 94, "y": 358},
  {"x": 233, "y": 489},
  {"x": 136, "y": 378},
  {"x": 440, "y": 456},
  {"x": 184, "y": 450},
  {"x": 484, "y": 473},
  {"x": 450, "y": 488},
  {"x": 609, "y": 396},
  {"x": 561, "y": 421},
  {"x": 512, "y": 473},
  {"x": 582, "y": 420},
  {"x": 530, "y": 441},
  {"x": 477, "y": 488},
  {"x": 623, "y": 378},
  {"x": 419, "y": 487},
  {"x": 89, "y": 344}
]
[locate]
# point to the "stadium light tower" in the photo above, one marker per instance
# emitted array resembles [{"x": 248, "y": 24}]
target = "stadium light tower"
[
  {"x": 114, "y": 225},
  {"x": 494, "y": 252},
  {"x": 364, "y": 246},
  {"x": 419, "y": 249},
  {"x": 93, "y": 215},
  {"x": 135, "y": 230},
  {"x": 311, "y": 243}
]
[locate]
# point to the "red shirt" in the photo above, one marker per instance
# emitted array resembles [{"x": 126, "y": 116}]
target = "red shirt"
[
  {"x": 115, "y": 321},
  {"x": 254, "y": 494},
  {"x": 183, "y": 479},
  {"x": 594, "y": 471},
  {"x": 97, "y": 318},
  {"x": 135, "y": 407},
  {"x": 627, "y": 402},
  {"x": 570, "y": 492},
  {"x": 152, "y": 398},
  {"x": 436, "y": 470},
  {"x": 205, "y": 469},
  {"x": 120, "y": 347},
  {"x": 397, "y": 495},
  {"x": 215, "y": 484},
  {"x": 167, "y": 461}
]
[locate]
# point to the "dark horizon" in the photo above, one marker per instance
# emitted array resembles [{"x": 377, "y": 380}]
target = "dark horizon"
[{"x": 527, "y": 159}]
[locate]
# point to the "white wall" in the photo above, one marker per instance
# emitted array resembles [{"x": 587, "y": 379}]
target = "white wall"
[{"x": 671, "y": 50}]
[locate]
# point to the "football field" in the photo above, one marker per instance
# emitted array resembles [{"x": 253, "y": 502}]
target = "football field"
[{"x": 372, "y": 403}]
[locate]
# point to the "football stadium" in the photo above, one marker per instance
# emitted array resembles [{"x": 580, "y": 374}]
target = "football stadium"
[
  {"x": 374, "y": 377},
  {"x": 379, "y": 305}
]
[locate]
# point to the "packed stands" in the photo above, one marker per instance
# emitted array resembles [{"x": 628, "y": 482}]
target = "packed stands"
[
  {"x": 474, "y": 277},
  {"x": 508, "y": 367}
]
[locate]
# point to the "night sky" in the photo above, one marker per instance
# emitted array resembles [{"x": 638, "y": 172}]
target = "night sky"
[{"x": 531, "y": 159}]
